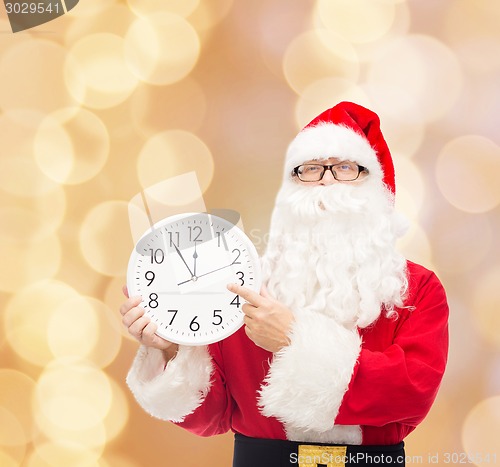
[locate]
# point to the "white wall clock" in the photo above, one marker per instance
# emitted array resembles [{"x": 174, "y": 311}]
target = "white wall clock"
[{"x": 181, "y": 267}]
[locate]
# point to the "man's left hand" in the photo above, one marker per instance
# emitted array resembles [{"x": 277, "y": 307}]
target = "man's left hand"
[{"x": 267, "y": 321}]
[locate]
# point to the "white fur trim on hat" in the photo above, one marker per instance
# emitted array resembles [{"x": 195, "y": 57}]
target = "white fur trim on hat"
[
  {"x": 307, "y": 380},
  {"x": 330, "y": 140},
  {"x": 175, "y": 391}
]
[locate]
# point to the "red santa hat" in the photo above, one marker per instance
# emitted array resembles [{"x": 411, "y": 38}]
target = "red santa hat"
[{"x": 349, "y": 132}]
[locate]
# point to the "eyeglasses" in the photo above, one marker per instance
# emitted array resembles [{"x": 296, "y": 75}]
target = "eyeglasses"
[{"x": 343, "y": 172}]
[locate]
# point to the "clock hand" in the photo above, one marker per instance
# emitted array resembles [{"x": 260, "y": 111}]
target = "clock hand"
[
  {"x": 195, "y": 256},
  {"x": 207, "y": 273},
  {"x": 183, "y": 260}
]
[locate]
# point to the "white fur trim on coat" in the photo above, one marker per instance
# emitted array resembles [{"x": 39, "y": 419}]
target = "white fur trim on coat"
[
  {"x": 175, "y": 391},
  {"x": 328, "y": 140},
  {"x": 307, "y": 380}
]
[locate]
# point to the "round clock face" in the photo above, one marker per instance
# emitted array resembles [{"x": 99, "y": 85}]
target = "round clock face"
[{"x": 181, "y": 268}]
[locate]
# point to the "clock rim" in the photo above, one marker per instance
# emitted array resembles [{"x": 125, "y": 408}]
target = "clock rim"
[{"x": 175, "y": 217}]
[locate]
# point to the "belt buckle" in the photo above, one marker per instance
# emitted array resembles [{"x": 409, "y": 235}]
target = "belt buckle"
[{"x": 331, "y": 456}]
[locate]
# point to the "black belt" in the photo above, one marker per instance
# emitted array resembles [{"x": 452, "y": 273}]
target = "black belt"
[{"x": 254, "y": 452}]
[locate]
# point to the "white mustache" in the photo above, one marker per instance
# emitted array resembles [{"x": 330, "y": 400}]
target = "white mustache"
[{"x": 320, "y": 201}]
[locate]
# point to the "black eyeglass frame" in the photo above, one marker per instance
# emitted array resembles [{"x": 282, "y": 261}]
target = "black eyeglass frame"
[{"x": 295, "y": 172}]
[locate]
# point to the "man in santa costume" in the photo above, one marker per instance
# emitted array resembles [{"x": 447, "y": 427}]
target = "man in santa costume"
[{"x": 343, "y": 352}]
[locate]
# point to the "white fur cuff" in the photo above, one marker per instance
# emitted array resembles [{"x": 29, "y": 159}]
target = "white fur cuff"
[
  {"x": 308, "y": 379},
  {"x": 176, "y": 391}
]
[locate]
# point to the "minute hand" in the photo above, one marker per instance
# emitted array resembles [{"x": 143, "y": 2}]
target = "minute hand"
[
  {"x": 183, "y": 260},
  {"x": 210, "y": 272}
]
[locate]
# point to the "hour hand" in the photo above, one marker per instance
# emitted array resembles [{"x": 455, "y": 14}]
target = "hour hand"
[{"x": 207, "y": 273}]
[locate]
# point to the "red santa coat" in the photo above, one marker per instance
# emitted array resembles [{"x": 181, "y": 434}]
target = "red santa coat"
[{"x": 310, "y": 391}]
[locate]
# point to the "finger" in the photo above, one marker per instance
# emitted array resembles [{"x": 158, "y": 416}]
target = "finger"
[
  {"x": 264, "y": 292},
  {"x": 249, "y": 309},
  {"x": 148, "y": 333},
  {"x": 129, "y": 304},
  {"x": 133, "y": 315},
  {"x": 249, "y": 295},
  {"x": 125, "y": 291},
  {"x": 137, "y": 327},
  {"x": 248, "y": 332}
]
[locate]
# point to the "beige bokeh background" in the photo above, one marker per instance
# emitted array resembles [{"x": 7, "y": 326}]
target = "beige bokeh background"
[{"x": 116, "y": 96}]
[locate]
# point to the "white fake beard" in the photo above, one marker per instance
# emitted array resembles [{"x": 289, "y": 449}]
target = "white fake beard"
[{"x": 332, "y": 250}]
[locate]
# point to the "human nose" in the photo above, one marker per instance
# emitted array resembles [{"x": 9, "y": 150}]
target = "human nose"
[{"x": 328, "y": 178}]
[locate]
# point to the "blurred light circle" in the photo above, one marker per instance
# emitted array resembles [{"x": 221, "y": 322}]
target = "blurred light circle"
[
  {"x": 113, "y": 299},
  {"x": 161, "y": 48},
  {"x": 91, "y": 438},
  {"x": 50, "y": 208},
  {"x": 357, "y": 21},
  {"x": 29, "y": 245},
  {"x": 7, "y": 40},
  {"x": 108, "y": 332},
  {"x": 485, "y": 306},
  {"x": 480, "y": 431},
  {"x": 19, "y": 174},
  {"x": 31, "y": 77},
  {"x": 392, "y": 105},
  {"x": 493, "y": 385},
  {"x": 472, "y": 30},
  {"x": 60, "y": 453},
  {"x": 72, "y": 328},
  {"x": 466, "y": 173},
  {"x": 16, "y": 173},
  {"x": 274, "y": 41},
  {"x": 395, "y": 102},
  {"x": 91, "y": 10},
  {"x": 479, "y": 55},
  {"x": 31, "y": 219},
  {"x": 415, "y": 244},
  {"x": 400, "y": 27},
  {"x": 453, "y": 232},
  {"x": 410, "y": 187},
  {"x": 28, "y": 261},
  {"x": 73, "y": 395},
  {"x": 113, "y": 18},
  {"x": 324, "y": 93},
  {"x": 209, "y": 13},
  {"x": 465, "y": 19},
  {"x": 11, "y": 431},
  {"x": 319, "y": 54},
  {"x": 77, "y": 437},
  {"x": 148, "y": 7},
  {"x": 114, "y": 458},
  {"x": 27, "y": 316},
  {"x": 422, "y": 69},
  {"x": 53, "y": 150},
  {"x": 476, "y": 112},
  {"x": 16, "y": 392},
  {"x": 104, "y": 238},
  {"x": 173, "y": 153},
  {"x": 71, "y": 146},
  {"x": 18, "y": 223},
  {"x": 118, "y": 414},
  {"x": 97, "y": 64},
  {"x": 463, "y": 356},
  {"x": 8, "y": 461},
  {"x": 181, "y": 105}
]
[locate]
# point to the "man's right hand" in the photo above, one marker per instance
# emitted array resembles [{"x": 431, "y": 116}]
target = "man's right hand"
[{"x": 142, "y": 329}]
